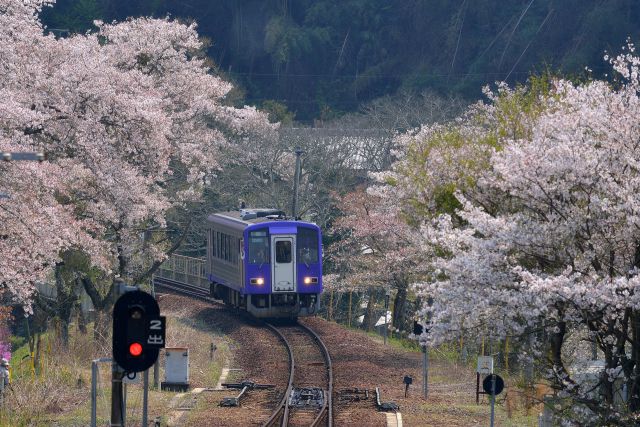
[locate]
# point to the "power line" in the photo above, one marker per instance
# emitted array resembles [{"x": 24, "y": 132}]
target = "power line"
[
  {"x": 492, "y": 42},
  {"x": 529, "y": 44},
  {"x": 513, "y": 32},
  {"x": 455, "y": 53},
  {"x": 354, "y": 76}
]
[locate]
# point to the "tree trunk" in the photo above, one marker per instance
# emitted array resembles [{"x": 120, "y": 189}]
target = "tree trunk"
[
  {"x": 606, "y": 388},
  {"x": 102, "y": 306},
  {"x": 634, "y": 389},
  {"x": 370, "y": 316},
  {"x": 82, "y": 320},
  {"x": 65, "y": 301},
  {"x": 557, "y": 339},
  {"x": 101, "y": 326},
  {"x": 399, "y": 304}
]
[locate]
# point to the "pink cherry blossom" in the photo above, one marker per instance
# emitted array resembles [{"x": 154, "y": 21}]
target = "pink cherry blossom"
[{"x": 131, "y": 119}]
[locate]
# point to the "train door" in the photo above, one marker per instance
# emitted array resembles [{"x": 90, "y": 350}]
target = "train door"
[{"x": 284, "y": 264}]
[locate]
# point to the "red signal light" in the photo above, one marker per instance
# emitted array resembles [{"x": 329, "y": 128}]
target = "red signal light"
[{"x": 135, "y": 349}]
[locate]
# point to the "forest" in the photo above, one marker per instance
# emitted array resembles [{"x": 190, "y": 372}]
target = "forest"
[{"x": 324, "y": 58}]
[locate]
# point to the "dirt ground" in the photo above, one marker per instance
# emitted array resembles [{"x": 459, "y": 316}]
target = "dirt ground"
[
  {"x": 252, "y": 352},
  {"x": 359, "y": 359}
]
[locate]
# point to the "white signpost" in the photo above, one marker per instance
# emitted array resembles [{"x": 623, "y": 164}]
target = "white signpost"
[{"x": 485, "y": 366}]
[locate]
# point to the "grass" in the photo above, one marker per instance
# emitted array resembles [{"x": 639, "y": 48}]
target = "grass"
[
  {"x": 509, "y": 414},
  {"x": 59, "y": 393}
]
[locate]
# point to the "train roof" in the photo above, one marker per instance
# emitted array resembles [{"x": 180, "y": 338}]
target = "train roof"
[
  {"x": 245, "y": 217},
  {"x": 253, "y": 216}
]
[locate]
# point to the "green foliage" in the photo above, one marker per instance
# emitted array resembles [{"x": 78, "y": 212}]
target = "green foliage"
[
  {"x": 445, "y": 199},
  {"x": 461, "y": 148},
  {"x": 516, "y": 110},
  {"x": 16, "y": 341},
  {"x": 278, "y": 112}
]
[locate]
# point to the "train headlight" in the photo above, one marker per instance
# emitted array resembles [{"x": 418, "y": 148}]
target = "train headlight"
[
  {"x": 257, "y": 281},
  {"x": 310, "y": 280}
]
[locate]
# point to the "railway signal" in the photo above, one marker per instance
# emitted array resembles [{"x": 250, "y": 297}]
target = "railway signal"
[
  {"x": 493, "y": 384},
  {"x": 138, "y": 331}
]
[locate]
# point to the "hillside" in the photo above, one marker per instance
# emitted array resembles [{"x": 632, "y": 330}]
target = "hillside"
[{"x": 325, "y": 57}]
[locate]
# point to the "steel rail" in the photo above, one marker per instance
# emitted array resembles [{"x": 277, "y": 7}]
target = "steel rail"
[
  {"x": 283, "y": 406},
  {"x": 183, "y": 288},
  {"x": 327, "y": 409}
]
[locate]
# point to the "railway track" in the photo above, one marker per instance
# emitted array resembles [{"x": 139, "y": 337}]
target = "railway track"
[
  {"x": 183, "y": 288},
  {"x": 308, "y": 398}
]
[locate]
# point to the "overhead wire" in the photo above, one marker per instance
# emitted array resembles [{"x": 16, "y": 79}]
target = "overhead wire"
[
  {"x": 513, "y": 32},
  {"x": 529, "y": 44},
  {"x": 490, "y": 45},
  {"x": 463, "y": 10}
]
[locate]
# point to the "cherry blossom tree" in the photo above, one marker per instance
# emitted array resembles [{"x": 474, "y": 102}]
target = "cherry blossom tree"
[
  {"x": 376, "y": 247},
  {"x": 542, "y": 231},
  {"x": 131, "y": 119},
  {"x": 34, "y": 225}
]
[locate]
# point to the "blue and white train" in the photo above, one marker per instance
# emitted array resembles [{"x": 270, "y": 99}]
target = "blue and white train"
[{"x": 264, "y": 263}]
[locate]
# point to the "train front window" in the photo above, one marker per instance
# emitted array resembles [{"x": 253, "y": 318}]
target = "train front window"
[
  {"x": 283, "y": 252},
  {"x": 307, "y": 245},
  {"x": 258, "y": 247}
]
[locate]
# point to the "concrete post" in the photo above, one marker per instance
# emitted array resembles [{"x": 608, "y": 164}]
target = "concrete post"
[
  {"x": 94, "y": 387},
  {"x": 296, "y": 183},
  {"x": 425, "y": 370},
  {"x": 145, "y": 399},
  {"x": 117, "y": 396}
]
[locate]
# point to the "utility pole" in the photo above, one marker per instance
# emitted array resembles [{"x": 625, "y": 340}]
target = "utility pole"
[
  {"x": 296, "y": 182},
  {"x": 425, "y": 370},
  {"x": 387, "y": 294}
]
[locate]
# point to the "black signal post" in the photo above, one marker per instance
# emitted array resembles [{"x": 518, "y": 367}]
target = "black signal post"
[
  {"x": 138, "y": 336},
  {"x": 138, "y": 331}
]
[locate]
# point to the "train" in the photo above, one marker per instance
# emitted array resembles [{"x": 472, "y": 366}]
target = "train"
[{"x": 260, "y": 261}]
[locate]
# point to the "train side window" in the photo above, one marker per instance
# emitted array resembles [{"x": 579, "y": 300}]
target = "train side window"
[
  {"x": 283, "y": 252},
  {"x": 258, "y": 247},
  {"x": 218, "y": 247}
]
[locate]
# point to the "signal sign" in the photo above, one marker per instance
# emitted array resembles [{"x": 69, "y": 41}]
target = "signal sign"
[
  {"x": 491, "y": 381},
  {"x": 138, "y": 331}
]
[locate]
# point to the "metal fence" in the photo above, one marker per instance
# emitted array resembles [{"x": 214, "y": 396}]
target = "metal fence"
[{"x": 184, "y": 269}]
